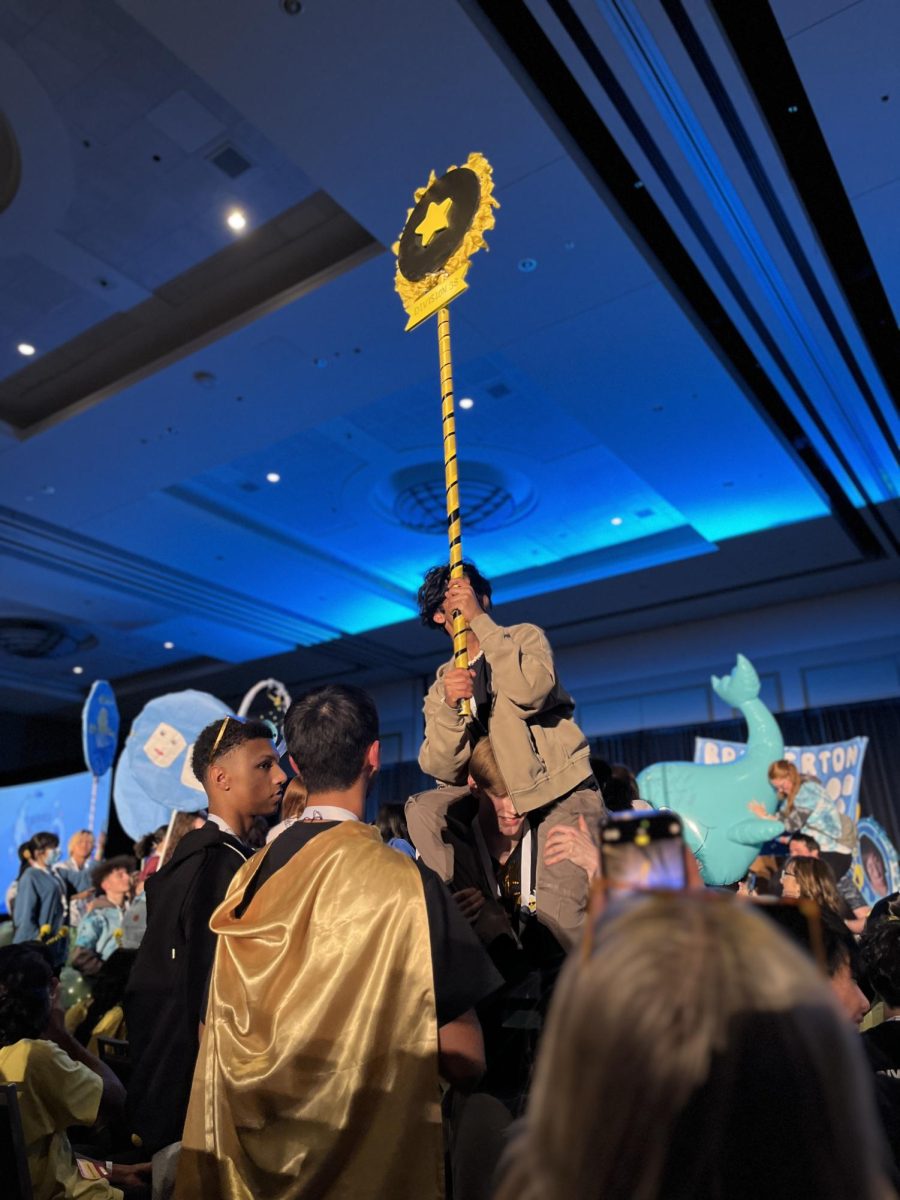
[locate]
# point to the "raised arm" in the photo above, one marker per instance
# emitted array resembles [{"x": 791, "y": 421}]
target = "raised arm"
[{"x": 521, "y": 662}]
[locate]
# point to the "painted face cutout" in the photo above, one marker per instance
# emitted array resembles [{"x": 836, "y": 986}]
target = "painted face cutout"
[
  {"x": 188, "y": 778},
  {"x": 164, "y": 745}
]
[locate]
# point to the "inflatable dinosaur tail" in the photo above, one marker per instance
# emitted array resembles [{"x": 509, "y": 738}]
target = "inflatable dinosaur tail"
[{"x": 738, "y": 687}]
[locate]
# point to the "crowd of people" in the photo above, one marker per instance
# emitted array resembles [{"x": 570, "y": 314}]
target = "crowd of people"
[{"x": 452, "y": 1001}]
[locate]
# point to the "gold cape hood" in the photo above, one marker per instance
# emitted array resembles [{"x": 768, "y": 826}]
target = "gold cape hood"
[{"x": 318, "y": 1070}]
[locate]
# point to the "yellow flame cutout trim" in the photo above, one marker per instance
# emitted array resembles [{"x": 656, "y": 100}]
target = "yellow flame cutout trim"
[{"x": 410, "y": 293}]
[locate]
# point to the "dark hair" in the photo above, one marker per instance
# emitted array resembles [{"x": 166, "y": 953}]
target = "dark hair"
[
  {"x": 434, "y": 588},
  {"x": 622, "y": 789},
  {"x": 25, "y": 978},
  {"x": 148, "y": 843},
  {"x": 805, "y": 840},
  {"x": 391, "y": 823},
  {"x": 887, "y": 906},
  {"x": 838, "y": 944},
  {"x": 107, "y": 867},
  {"x": 221, "y": 736},
  {"x": 24, "y": 858},
  {"x": 328, "y": 731},
  {"x": 41, "y": 841},
  {"x": 107, "y": 990},
  {"x": 602, "y": 772},
  {"x": 879, "y": 953}
]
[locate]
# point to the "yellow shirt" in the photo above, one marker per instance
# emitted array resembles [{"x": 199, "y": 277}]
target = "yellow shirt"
[{"x": 54, "y": 1093}]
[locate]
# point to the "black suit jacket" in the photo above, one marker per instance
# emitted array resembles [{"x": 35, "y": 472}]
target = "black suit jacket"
[{"x": 166, "y": 989}]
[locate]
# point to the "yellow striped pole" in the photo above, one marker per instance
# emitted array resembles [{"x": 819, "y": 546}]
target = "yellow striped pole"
[{"x": 451, "y": 482}]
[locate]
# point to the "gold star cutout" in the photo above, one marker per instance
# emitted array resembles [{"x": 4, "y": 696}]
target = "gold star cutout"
[{"x": 436, "y": 219}]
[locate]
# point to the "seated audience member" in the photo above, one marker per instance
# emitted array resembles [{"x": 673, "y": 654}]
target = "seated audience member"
[
  {"x": 102, "y": 1014},
  {"x": 677, "y": 1053},
  {"x": 345, "y": 980},
  {"x": 59, "y": 1083},
  {"x": 519, "y": 704},
  {"x": 76, "y": 873},
  {"x": 391, "y": 824},
  {"x": 238, "y": 767},
  {"x": 801, "y": 845},
  {"x": 41, "y": 899},
  {"x": 805, "y": 878},
  {"x": 100, "y": 932}
]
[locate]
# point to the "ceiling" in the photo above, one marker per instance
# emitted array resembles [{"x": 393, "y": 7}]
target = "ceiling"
[{"x": 682, "y": 347}]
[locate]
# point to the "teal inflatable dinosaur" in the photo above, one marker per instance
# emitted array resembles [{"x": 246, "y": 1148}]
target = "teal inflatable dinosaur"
[{"x": 714, "y": 802}]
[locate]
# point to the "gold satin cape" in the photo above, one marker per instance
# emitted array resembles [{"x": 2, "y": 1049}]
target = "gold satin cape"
[{"x": 318, "y": 1069}]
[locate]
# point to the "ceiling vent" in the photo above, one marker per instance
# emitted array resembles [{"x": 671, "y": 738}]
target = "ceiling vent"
[
  {"x": 25, "y": 638},
  {"x": 230, "y": 161},
  {"x": 489, "y": 498}
]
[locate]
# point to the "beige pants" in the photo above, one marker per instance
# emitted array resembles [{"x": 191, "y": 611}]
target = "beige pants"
[{"x": 563, "y": 889}]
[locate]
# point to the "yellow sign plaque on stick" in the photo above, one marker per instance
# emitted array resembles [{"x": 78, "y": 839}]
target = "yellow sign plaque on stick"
[{"x": 442, "y": 232}]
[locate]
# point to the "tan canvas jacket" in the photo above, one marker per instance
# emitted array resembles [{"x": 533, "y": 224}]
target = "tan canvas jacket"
[{"x": 540, "y": 751}]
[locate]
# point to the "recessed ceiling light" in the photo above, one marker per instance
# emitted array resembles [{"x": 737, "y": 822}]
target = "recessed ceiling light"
[
  {"x": 616, "y": 521},
  {"x": 78, "y": 670},
  {"x": 26, "y": 349},
  {"x": 273, "y": 477},
  {"x": 467, "y": 402},
  {"x": 168, "y": 645},
  {"x": 236, "y": 220}
]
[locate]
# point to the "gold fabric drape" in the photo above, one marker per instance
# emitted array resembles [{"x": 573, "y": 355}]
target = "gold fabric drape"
[{"x": 318, "y": 1073}]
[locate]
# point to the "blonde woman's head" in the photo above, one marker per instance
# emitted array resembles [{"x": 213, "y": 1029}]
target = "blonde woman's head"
[
  {"x": 785, "y": 779},
  {"x": 676, "y": 1056}
]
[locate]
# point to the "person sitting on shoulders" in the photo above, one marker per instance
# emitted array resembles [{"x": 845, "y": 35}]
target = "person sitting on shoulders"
[
  {"x": 806, "y": 807},
  {"x": 518, "y": 703}
]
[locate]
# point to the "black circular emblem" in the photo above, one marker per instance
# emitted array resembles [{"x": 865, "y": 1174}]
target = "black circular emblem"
[{"x": 423, "y": 253}]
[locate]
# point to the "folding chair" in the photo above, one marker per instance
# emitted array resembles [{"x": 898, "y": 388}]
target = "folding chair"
[{"x": 13, "y": 1160}]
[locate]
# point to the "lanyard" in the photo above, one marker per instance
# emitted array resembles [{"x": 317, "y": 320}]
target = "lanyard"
[{"x": 528, "y": 893}]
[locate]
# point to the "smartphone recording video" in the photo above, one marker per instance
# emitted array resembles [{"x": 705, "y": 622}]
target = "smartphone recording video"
[{"x": 641, "y": 851}]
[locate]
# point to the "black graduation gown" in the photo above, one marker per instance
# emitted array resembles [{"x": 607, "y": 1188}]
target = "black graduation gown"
[{"x": 166, "y": 990}]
